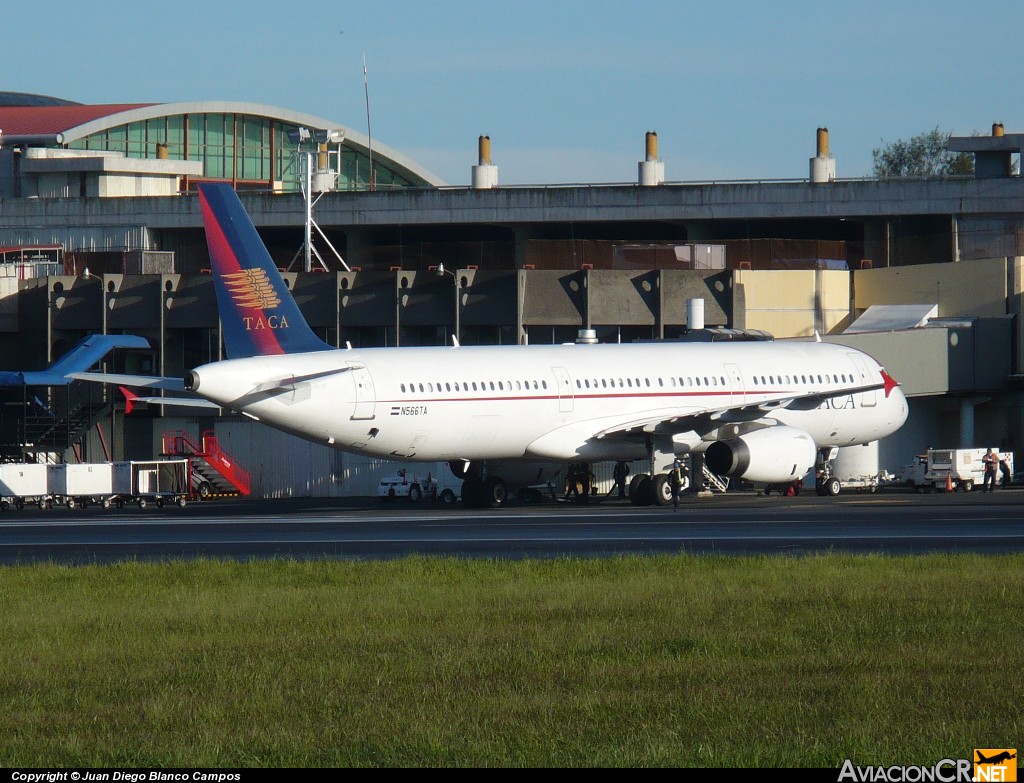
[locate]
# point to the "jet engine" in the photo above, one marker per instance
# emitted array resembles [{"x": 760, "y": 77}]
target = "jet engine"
[{"x": 775, "y": 455}]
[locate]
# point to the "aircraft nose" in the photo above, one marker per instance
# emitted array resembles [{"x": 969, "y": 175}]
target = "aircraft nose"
[{"x": 900, "y": 407}]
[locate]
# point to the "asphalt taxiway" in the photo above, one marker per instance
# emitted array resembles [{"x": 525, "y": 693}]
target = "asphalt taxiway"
[{"x": 741, "y": 523}]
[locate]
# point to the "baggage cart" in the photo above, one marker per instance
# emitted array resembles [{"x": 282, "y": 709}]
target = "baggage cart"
[
  {"x": 154, "y": 481},
  {"x": 80, "y": 484},
  {"x": 22, "y": 484}
]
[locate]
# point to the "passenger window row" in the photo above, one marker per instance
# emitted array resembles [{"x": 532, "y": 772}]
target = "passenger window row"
[
  {"x": 466, "y": 386},
  {"x": 617, "y": 383}
]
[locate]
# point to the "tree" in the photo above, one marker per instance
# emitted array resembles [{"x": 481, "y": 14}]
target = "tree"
[{"x": 924, "y": 155}]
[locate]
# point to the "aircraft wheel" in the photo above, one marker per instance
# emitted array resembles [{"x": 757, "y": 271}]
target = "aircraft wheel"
[
  {"x": 832, "y": 487},
  {"x": 448, "y": 497},
  {"x": 415, "y": 493},
  {"x": 661, "y": 489},
  {"x": 634, "y": 484},
  {"x": 639, "y": 489},
  {"x": 495, "y": 493}
]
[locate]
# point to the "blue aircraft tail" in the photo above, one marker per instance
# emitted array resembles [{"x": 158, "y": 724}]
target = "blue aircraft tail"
[
  {"x": 258, "y": 315},
  {"x": 80, "y": 358}
]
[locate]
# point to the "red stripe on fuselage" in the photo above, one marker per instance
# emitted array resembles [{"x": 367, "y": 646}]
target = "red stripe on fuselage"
[{"x": 224, "y": 261}]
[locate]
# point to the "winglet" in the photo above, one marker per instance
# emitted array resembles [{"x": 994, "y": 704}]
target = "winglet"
[
  {"x": 889, "y": 383},
  {"x": 129, "y": 399},
  {"x": 257, "y": 311}
]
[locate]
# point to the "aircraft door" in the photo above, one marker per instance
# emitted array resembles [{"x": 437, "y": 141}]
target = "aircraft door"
[
  {"x": 870, "y": 398},
  {"x": 565, "y": 394},
  {"x": 366, "y": 397},
  {"x": 736, "y": 383}
]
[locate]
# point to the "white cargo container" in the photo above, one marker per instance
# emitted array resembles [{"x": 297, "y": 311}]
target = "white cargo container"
[
  {"x": 81, "y": 484},
  {"x": 22, "y": 483},
  {"x": 160, "y": 481}
]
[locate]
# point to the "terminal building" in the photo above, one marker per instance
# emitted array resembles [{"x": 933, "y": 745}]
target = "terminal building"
[{"x": 100, "y": 232}]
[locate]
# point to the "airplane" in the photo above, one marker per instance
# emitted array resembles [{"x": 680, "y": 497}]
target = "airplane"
[
  {"x": 507, "y": 417},
  {"x": 83, "y": 355},
  {"x": 996, "y": 759}
]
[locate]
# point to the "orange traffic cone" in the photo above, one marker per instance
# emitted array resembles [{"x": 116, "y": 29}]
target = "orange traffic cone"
[{"x": 949, "y": 482}]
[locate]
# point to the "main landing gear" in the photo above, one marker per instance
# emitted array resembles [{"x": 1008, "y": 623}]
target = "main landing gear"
[
  {"x": 654, "y": 490},
  {"x": 480, "y": 490},
  {"x": 826, "y": 484}
]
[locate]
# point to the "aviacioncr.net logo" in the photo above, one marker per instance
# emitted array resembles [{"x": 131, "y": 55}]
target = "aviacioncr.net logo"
[{"x": 995, "y": 764}]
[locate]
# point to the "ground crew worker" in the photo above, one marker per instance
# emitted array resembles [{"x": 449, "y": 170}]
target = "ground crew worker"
[
  {"x": 571, "y": 476},
  {"x": 621, "y": 471},
  {"x": 991, "y": 463},
  {"x": 675, "y": 480}
]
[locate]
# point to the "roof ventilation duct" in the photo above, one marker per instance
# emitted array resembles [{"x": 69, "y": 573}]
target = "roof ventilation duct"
[
  {"x": 652, "y": 170},
  {"x": 485, "y": 174},
  {"x": 823, "y": 167}
]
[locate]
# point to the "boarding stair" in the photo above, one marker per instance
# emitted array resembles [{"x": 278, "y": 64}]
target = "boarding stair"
[
  {"x": 214, "y": 471},
  {"x": 58, "y": 419},
  {"x": 714, "y": 482}
]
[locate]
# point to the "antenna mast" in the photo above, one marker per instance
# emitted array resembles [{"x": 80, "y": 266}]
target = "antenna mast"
[{"x": 369, "y": 135}]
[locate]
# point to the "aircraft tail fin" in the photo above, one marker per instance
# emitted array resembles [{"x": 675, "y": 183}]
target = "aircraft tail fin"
[
  {"x": 129, "y": 399},
  {"x": 258, "y": 314}
]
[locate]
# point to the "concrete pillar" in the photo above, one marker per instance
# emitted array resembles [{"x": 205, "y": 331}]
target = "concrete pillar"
[{"x": 968, "y": 405}]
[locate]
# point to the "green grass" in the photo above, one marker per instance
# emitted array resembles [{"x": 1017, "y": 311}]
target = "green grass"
[{"x": 674, "y": 661}]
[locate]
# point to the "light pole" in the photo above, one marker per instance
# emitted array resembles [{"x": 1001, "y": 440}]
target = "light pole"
[
  {"x": 441, "y": 272},
  {"x": 325, "y": 179}
]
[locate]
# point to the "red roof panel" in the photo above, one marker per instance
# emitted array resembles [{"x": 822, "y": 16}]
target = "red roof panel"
[{"x": 31, "y": 120}]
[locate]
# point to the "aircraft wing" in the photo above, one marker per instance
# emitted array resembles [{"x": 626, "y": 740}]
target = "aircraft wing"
[
  {"x": 138, "y": 381},
  {"x": 146, "y": 382},
  {"x": 131, "y": 398},
  {"x": 708, "y": 418},
  {"x": 183, "y": 402}
]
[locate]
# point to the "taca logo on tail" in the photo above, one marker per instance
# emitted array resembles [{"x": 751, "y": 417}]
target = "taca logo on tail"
[{"x": 258, "y": 315}]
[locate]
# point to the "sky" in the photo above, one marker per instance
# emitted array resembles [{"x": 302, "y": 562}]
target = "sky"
[{"x": 565, "y": 89}]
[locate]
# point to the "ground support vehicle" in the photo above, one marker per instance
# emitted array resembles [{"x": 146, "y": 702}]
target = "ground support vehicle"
[
  {"x": 80, "y": 484},
  {"x": 827, "y": 484},
  {"x": 953, "y": 469},
  {"x": 414, "y": 488},
  {"x": 155, "y": 481},
  {"x": 24, "y": 484}
]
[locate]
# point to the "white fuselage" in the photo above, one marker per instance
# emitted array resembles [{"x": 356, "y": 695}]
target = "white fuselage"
[{"x": 555, "y": 402}]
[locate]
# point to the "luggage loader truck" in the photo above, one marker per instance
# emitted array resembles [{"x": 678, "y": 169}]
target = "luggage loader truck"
[{"x": 953, "y": 469}]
